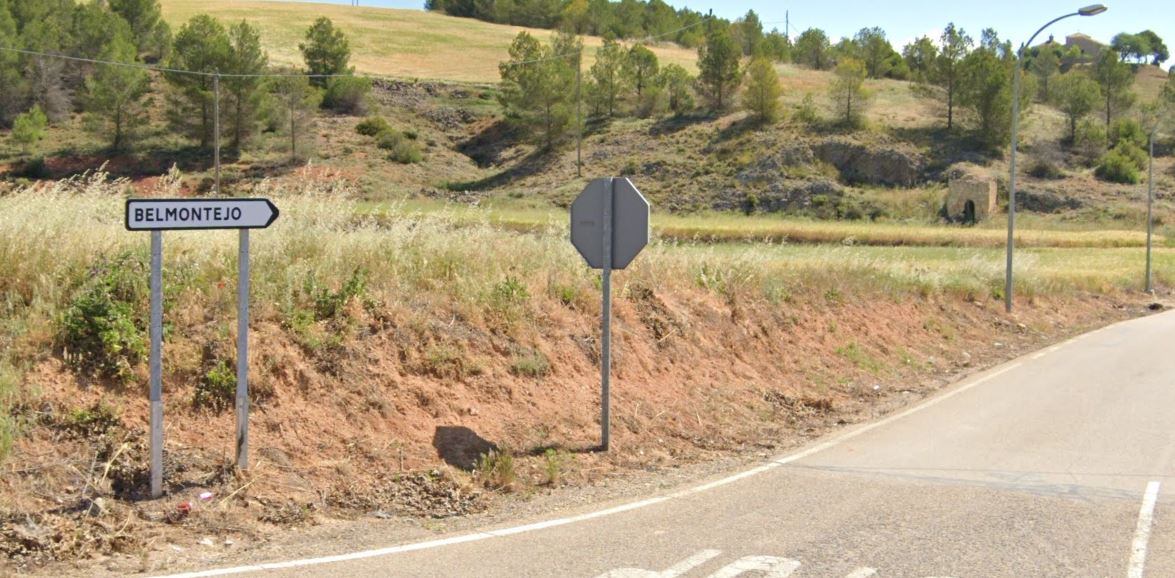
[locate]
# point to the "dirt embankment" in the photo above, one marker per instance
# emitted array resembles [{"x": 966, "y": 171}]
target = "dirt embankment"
[{"x": 388, "y": 409}]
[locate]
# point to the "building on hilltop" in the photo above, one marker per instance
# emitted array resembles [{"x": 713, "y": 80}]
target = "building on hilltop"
[{"x": 1090, "y": 48}]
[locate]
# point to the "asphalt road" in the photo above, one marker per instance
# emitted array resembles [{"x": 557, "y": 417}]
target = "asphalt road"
[{"x": 1056, "y": 464}]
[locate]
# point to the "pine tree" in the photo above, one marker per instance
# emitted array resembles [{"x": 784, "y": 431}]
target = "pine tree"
[
  {"x": 1076, "y": 95},
  {"x": 114, "y": 94},
  {"x": 12, "y": 83},
  {"x": 607, "y": 76},
  {"x": 718, "y": 60},
  {"x": 1115, "y": 79},
  {"x": 678, "y": 82},
  {"x": 152, "y": 36},
  {"x": 243, "y": 92},
  {"x": 295, "y": 103},
  {"x": 325, "y": 51},
  {"x": 955, "y": 45},
  {"x": 763, "y": 91},
  {"x": 535, "y": 91},
  {"x": 848, "y": 91},
  {"x": 640, "y": 68},
  {"x": 202, "y": 45}
]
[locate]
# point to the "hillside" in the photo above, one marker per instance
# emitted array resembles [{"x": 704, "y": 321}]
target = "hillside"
[{"x": 398, "y": 43}]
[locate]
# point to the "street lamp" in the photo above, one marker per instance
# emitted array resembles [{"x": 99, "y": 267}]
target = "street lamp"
[
  {"x": 1092, "y": 10},
  {"x": 1150, "y": 200}
]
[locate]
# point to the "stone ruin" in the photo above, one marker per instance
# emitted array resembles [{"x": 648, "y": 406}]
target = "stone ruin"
[{"x": 971, "y": 199}]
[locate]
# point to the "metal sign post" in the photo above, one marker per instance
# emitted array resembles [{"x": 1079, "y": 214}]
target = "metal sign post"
[
  {"x": 242, "y": 404},
  {"x": 158, "y": 215},
  {"x": 156, "y": 363},
  {"x": 609, "y": 227}
]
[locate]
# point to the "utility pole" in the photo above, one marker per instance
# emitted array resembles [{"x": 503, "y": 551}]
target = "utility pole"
[
  {"x": 579, "y": 113},
  {"x": 216, "y": 129}
]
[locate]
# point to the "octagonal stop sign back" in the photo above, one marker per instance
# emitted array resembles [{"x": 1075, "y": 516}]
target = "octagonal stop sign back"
[{"x": 630, "y": 222}]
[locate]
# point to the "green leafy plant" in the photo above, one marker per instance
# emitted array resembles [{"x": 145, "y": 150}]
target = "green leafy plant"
[
  {"x": 372, "y": 126},
  {"x": 218, "y": 389},
  {"x": 99, "y": 331},
  {"x": 401, "y": 149},
  {"x": 1123, "y": 164},
  {"x": 328, "y": 303},
  {"x": 91, "y": 421},
  {"x": 553, "y": 462}
]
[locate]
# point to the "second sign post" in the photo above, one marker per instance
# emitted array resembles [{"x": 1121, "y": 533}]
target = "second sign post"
[{"x": 609, "y": 227}]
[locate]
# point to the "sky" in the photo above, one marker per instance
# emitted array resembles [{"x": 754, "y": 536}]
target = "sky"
[{"x": 906, "y": 20}]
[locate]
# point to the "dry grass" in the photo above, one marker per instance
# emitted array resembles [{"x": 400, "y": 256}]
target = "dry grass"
[
  {"x": 729, "y": 227},
  {"x": 408, "y": 254},
  {"x": 398, "y": 43}
]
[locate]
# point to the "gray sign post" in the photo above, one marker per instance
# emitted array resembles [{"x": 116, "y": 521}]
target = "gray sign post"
[
  {"x": 609, "y": 227},
  {"x": 158, "y": 215}
]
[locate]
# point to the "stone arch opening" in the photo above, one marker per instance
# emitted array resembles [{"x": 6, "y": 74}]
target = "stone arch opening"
[{"x": 969, "y": 217}]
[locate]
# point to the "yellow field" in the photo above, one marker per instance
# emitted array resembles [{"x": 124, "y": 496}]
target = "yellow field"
[
  {"x": 735, "y": 228},
  {"x": 397, "y": 43}
]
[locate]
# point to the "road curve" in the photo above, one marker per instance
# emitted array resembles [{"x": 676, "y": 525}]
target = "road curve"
[{"x": 1056, "y": 464}]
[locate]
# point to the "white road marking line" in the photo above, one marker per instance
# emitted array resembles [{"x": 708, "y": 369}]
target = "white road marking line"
[
  {"x": 1142, "y": 532},
  {"x": 483, "y": 535},
  {"x": 769, "y": 566},
  {"x": 676, "y": 570},
  {"x": 690, "y": 563},
  {"x": 862, "y": 573}
]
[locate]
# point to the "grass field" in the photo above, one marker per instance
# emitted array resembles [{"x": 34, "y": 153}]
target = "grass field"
[
  {"x": 731, "y": 227},
  {"x": 397, "y": 43},
  {"x": 414, "y": 255}
]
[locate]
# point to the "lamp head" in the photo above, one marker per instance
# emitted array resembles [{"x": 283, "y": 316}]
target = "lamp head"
[{"x": 1092, "y": 10}]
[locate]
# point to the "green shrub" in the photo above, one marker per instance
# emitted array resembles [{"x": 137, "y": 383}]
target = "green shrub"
[
  {"x": 495, "y": 469},
  {"x": 531, "y": 363},
  {"x": 553, "y": 464},
  {"x": 347, "y": 94},
  {"x": 1091, "y": 140},
  {"x": 373, "y": 126},
  {"x": 328, "y": 303},
  {"x": 99, "y": 331},
  {"x": 807, "y": 113},
  {"x": 217, "y": 391},
  {"x": 1128, "y": 130},
  {"x": 509, "y": 292},
  {"x": 29, "y": 128},
  {"x": 34, "y": 168},
  {"x": 89, "y": 422},
  {"x": 1120, "y": 165},
  {"x": 400, "y": 148}
]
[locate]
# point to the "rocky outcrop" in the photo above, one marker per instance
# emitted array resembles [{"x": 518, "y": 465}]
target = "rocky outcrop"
[
  {"x": 1045, "y": 201},
  {"x": 787, "y": 195},
  {"x": 887, "y": 165}
]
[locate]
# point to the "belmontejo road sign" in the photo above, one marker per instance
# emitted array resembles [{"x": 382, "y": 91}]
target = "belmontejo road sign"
[
  {"x": 157, "y": 216},
  {"x": 175, "y": 214}
]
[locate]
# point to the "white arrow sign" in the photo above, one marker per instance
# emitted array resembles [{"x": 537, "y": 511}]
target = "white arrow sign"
[{"x": 172, "y": 214}]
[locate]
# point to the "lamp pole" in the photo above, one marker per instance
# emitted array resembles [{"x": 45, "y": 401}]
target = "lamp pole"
[
  {"x": 1092, "y": 10},
  {"x": 1150, "y": 199}
]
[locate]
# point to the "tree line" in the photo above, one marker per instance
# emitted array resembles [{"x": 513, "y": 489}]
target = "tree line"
[
  {"x": 964, "y": 73},
  {"x": 114, "y": 100},
  {"x": 633, "y": 20}
]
